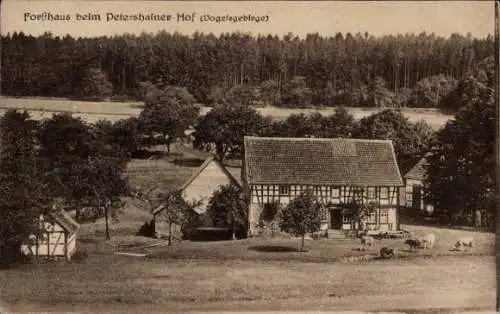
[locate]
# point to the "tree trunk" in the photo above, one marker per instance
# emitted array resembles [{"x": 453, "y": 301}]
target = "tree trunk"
[
  {"x": 169, "y": 234},
  {"x": 232, "y": 229},
  {"x": 219, "y": 151},
  {"x": 107, "y": 222},
  {"x": 302, "y": 245}
]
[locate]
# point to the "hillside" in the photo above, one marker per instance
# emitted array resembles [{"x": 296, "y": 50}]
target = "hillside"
[{"x": 41, "y": 108}]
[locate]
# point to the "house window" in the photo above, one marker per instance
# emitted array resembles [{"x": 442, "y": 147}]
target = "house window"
[
  {"x": 317, "y": 190},
  {"x": 372, "y": 218},
  {"x": 284, "y": 190},
  {"x": 384, "y": 193},
  {"x": 324, "y": 214},
  {"x": 334, "y": 191},
  {"x": 371, "y": 193},
  {"x": 384, "y": 216}
]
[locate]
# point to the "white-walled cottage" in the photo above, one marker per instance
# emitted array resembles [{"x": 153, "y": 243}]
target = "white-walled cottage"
[
  {"x": 57, "y": 239},
  {"x": 337, "y": 170},
  {"x": 207, "y": 179}
]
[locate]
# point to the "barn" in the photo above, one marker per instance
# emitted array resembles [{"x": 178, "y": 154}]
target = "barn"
[
  {"x": 199, "y": 188},
  {"x": 205, "y": 181},
  {"x": 338, "y": 171},
  {"x": 414, "y": 180},
  {"x": 57, "y": 239}
]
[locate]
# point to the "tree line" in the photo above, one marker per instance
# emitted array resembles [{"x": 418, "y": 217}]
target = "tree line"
[{"x": 345, "y": 69}]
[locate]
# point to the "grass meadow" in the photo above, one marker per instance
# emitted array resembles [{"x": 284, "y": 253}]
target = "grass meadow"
[{"x": 41, "y": 108}]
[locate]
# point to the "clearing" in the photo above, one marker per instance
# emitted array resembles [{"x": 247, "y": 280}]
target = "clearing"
[
  {"x": 106, "y": 282},
  {"x": 41, "y": 108}
]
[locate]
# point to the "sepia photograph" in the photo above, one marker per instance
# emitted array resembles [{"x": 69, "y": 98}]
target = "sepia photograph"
[{"x": 236, "y": 156}]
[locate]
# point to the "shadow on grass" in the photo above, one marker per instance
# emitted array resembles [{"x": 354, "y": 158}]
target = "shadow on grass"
[
  {"x": 434, "y": 223},
  {"x": 136, "y": 106},
  {"x": 409, "y": 251},
  {"x": 88, "y": 240},
  {"x": 188, "y": 162},
  {"x": 273, "y": 248}
]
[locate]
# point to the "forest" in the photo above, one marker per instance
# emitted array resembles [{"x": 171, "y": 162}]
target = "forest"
[{"x": 345, "y": 69}]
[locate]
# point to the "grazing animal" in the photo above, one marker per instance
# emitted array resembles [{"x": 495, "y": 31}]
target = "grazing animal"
[
  {"x": 413, "y": 244},
  {"x": 466, "y": 241},
  {"x": 428, "y": 240},
  {"x": 387, "y": 252},
  {"x": 366, "y": 241}
]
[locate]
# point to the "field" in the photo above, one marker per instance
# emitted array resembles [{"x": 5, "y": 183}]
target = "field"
[
  {"x": 93, "y": 111},
  {"x": 233, "y": 275},
  {"x": 264, "y": 274}
]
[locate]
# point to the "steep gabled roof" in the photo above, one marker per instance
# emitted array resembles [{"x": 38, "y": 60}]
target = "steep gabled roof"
[
  {"x": 418, "y": 171},
  {"x": 65, "y": 220},
  {"x": 198, "y": 172},
  {"x": 317, "y": 161},
  {"x": 203, "y": 166}
]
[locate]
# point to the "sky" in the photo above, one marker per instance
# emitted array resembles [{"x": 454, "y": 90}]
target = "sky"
[{"x": 277, "y": 17}]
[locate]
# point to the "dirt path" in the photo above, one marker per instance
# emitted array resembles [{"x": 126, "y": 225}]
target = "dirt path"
[{"x": 461, "y": 300}]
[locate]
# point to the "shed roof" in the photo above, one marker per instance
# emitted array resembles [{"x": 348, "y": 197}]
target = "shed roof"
[
  {"x": 203, "y": 166},
  {"x": 198, "y": 172},
  {"x": 418, "y": 171},
  {"x": 319, "y": 161},
  {"x": 65, "y": 220}
]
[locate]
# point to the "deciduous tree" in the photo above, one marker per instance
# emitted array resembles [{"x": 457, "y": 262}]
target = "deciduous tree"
[
  {"x": 302, "y": 215},
  {"x": 94, "y": 85},
  {"x": 23, "y": 192},
  {"x": 461, "y": 167},
  {"x": 228, "y": 208},
  {"x": 167, "y": 115},
  {"x": 410, "y": 140},
  {"x": 429, "y": 91},
  {"x": 175, "y": 210},
  {"x": 224, "y": 127}
]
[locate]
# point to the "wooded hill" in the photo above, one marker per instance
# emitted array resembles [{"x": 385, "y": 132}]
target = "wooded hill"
[{"x": 347, "y": 69}]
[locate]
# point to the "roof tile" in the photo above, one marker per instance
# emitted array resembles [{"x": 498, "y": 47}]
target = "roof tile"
[{"x": 315, "y": 161}]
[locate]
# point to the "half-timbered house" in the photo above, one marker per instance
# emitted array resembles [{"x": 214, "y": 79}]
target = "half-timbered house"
[
  {"x": 414, "y": 181},
  {"x": 57, "y": 237},
  {"x": 338, "y": 171}
]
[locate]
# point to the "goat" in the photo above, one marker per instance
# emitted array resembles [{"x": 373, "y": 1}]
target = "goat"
[
  {"x": 366, "y": 241},
  {"x": 413, "y": 244},
  {"x": 428, "y": 240}
]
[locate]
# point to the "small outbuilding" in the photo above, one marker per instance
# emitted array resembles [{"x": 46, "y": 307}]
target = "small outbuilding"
[
  {"x": 200, "y": 187},
  {"x": 414, "y": 181},
  {"x": 57, "y": 239}
]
